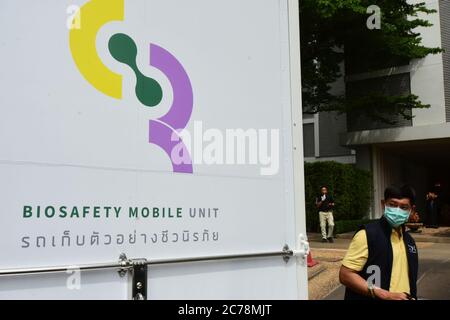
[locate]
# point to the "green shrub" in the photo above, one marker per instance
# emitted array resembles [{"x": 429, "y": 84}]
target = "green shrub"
[
  {"x": 350, "y": 187},
  {"x": 343, "y": 226}
]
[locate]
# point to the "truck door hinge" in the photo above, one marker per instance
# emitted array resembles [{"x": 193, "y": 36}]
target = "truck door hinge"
[
  {"x": 139, "y": 279},
  {"x": 137, "y": 270}
]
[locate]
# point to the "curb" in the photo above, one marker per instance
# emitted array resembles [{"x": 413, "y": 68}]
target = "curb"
[
  {"x": 318, "y": 269},
  {"x": 416, "y": 237}
]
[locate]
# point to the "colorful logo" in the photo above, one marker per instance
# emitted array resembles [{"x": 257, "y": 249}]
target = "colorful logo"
[{"x": 163, "y": 132}]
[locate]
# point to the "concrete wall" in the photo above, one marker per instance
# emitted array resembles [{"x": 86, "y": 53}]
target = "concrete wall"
[
  {"x": 308, "y": 140},
  {"x": 331, "y": 125},
  {"x": 427, "y": 77},
  {"x": 444, "y": 7}
]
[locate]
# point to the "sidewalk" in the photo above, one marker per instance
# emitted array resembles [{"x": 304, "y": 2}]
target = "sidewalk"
[{"x": 323, "y": 278}]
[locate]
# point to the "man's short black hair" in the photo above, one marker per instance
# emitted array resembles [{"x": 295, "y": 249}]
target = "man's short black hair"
[
  {"x": 402, "y": 192},
  {"x": 323, "y": 187}
]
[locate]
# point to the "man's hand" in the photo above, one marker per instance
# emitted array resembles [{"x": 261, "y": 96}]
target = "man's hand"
[{"x": 386, "y": 295}]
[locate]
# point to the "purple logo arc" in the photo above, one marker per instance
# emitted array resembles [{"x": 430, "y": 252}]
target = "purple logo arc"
[{"x": 164, "y": 131}]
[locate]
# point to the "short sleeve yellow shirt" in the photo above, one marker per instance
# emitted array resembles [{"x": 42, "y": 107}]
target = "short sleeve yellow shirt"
[{"x": 358, "y": 254}]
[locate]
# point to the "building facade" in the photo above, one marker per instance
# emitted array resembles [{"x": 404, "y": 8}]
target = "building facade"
[{"x": 414, "y": 151}]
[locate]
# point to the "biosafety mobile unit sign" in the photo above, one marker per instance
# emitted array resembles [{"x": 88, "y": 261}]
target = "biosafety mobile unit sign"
[{"x": 153, "y": 128}]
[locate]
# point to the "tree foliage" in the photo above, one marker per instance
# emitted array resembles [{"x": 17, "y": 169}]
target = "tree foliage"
[{"x": 334, "y": 33}]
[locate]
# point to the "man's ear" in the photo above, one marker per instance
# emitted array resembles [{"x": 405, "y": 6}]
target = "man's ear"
[{"x": 383, "y": 204}]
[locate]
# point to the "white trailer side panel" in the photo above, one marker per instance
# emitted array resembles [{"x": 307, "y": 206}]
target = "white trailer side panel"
[{"x": 67, "y": 146}]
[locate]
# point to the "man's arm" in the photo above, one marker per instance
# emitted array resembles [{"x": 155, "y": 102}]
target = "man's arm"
[
  {"x": 354, "y": 262},
  {"x": 352, "y": 280},
  {"x": 318, "y": 203}
]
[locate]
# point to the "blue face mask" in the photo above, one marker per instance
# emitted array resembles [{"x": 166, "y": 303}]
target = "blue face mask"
[{"x": 396, "y": 216}]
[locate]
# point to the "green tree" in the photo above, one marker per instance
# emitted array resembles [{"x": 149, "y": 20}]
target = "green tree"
[{"x": 335, "y": 31}]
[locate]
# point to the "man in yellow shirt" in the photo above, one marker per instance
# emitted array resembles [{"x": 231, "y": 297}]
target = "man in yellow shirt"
[{"x": 382, "y": 260}]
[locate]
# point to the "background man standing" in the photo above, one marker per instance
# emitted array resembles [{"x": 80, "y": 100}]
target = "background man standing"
[{"x": 325, "y": 204}]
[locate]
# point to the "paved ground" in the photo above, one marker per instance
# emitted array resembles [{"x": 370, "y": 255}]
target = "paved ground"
[
  {"x": 323, "y": 278},
  {"x": 434, "y": 270}
]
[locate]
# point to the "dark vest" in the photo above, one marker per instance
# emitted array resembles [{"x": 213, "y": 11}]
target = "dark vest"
[{"x": 380, "y": 254}]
